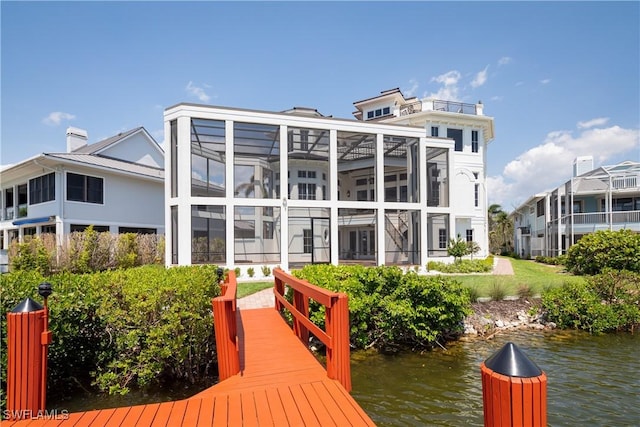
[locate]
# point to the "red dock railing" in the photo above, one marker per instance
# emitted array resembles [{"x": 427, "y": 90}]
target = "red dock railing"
[
  {"x": 226, "y": 328},
  {"x": 336, "y": 334}
]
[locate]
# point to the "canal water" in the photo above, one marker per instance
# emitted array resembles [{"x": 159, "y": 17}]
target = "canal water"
[{"x": 592, "y": 380}]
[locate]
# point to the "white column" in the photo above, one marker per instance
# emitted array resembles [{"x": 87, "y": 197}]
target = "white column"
[
  {"x": 184, "y": 190},
  {"x": 424, "y": 232},
  {"x": 228, "y": 201},
  {"x": 333, "y": 194},
  {"x": 379, "y": 204},
  {"x": 284, "y": 207}
]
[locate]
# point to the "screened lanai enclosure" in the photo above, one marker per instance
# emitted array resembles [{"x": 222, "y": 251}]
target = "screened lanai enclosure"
[{"x": 291, "y": 189}]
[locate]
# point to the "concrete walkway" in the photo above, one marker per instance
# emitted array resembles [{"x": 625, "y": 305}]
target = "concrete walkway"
[{"x": 265, "y": 298}]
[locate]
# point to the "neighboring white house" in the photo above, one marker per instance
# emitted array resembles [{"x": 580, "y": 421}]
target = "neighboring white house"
[
  {"x": 606, "y": 198},
  {"x": 253, "y": 188},
  {"x": 116, "y": 185}
]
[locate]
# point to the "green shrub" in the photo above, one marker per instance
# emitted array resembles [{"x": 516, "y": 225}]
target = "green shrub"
[
  {"x": 389, "y": 309},
  {"x": 463, "y": 266},
  {"x": 619, "y": 250},
  {"x": 266, "y": 271},
  {"x": 122, "y": 329},
  {"x": 251, "y": 271},
  {"x": 497, "y": 292},
  {"x": 606, "y": 302},
  {"x": 86, "y": 252},
  {"x": 237, "y": 271},
  {"x": 552, "y": 260}
]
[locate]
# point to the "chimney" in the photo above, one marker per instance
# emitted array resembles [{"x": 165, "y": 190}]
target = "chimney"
[
  {"x": 76, "y": 138},
  {"x": 582, "y": 164}
]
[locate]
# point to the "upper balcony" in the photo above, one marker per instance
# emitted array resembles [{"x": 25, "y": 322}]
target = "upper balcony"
[
  {"x": 439, "y": 105},
  {"x": 590, "y": 222}
]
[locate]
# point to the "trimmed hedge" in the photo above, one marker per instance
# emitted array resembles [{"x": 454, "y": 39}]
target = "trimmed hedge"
[
  {"x": 388, "y": 309},
  {"x": 463, "y": 266},
  {"x": 122, "y": 329}
]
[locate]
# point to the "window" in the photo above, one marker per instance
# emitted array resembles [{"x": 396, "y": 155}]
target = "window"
[
  {"x": 434, "y": 131},
  {"x": 390, "y": 194},
  {"x": 361, "y": 195},
  {"x": 442, "y": 238},
  {"x": 306, "y": 191},
  {"x": 361, "y": 181},
  {"x": 267, "y": 211},
  {"x": 324, "y": 176},
  {"x": 82, "y": 227},
  {"x": 577, "y": 206},
  {"x": 469, "y": 235},
  {"x": 474, "y": 141},
  {"x": 311, "y": 174},
  {"x": 385, "y": 111},
  {"x": 370, "y": 115},
  {"x": 42, "y": 189},
  {"x": 456, "y": 135},
  {"x": 83, "y": 188},
  {"x": 48, "y": 229},
  {"x": 378, "y": 112},
  {"x": 267, "y": 230},
  {"x": 540, "y": 207},
  {"x": 307, "y": 241},
  {"x": 302, "y": 174},
  {"x": 476, "y": 195},
  {"x": 390, "y": 178},
  {"x": 136, "y": 230}
]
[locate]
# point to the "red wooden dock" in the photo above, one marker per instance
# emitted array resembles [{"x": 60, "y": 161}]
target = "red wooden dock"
[{"x": 269, "y": 377}]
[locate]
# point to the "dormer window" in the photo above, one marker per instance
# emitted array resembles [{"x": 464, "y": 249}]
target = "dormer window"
[{"x": 379, "y": 112}]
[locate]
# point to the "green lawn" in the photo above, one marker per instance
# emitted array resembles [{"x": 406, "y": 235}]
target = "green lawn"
[
  {"x": 530, "y": 273},
  {"x": 245, "y": 289}
]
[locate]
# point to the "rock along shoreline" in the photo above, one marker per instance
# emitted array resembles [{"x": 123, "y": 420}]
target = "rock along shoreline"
[{"x": 491, "y": 317}]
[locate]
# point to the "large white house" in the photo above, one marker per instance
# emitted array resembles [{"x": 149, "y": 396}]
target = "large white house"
[
  {"x": 259, "y": 188},
  {"x": 116, "y": 185},
  {"x": 605, "y": 198}
]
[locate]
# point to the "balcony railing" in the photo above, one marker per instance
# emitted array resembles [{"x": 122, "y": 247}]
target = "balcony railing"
[
  {"x": 454, "y": 107},
  {"x": 625, "y": 217}
]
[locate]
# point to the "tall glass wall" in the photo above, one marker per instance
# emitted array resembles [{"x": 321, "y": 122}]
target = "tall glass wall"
[
  {"x": 438, "y": 234},
  {"x": 309, "y": 236},
  {"x": 401, "y": 169},
  {"x": 357, "y": 236},
  {"x": 208, "y": 228},
  {"x": 308, "y": 163},
  {"x": 402, "y": 237},
  {"x": 256, "y": 235},
  {"x": 437, "y": 177},
  {"x": 356, "y": 166},
  {"x": 207, "y": 158},
  {"x": 256, "y": 160}
]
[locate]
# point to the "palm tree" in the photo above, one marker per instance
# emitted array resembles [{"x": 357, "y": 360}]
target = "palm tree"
[{"x": 504, "y": 229}]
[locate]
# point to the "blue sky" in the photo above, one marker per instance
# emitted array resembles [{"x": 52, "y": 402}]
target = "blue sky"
[{"x": 561, "y": 79}]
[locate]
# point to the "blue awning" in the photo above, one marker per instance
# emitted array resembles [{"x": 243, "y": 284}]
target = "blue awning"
[{"x": 33, "y": 220}]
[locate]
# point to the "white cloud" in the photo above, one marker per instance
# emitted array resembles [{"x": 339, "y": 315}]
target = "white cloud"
[
  {"x": 593, "y": 122},
  {"x": 412, "y": 90},
  {"x": 497, "y": 98},
  {"x": 480, "y": 78},
  {"x": 519, "y": 83},
  {"x": 55, "y": 118},
  {"x": 198, "y": 92},
  {"x": 449, "y": 91},
  {"x": 549, "y": 164},
  {"x": 545, "y": 81},
  {"x": 504, "y": 60}
]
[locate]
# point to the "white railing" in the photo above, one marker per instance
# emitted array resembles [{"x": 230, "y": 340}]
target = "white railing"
[{"x": 624, "y": 217}]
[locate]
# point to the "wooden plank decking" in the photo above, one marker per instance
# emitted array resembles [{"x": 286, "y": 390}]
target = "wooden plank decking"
[{"x": 280, "y": 384}]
